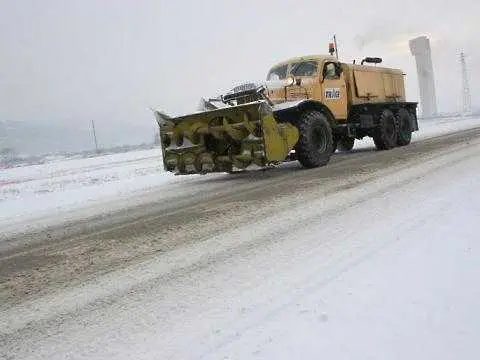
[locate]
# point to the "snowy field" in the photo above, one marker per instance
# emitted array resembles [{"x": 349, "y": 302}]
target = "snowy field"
[{"x": 57, "y": 189}]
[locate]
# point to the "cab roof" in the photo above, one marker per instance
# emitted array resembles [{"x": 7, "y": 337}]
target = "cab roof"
[
  {"x": 317, "y": 57},
  {"x": 321, "y": 58}
]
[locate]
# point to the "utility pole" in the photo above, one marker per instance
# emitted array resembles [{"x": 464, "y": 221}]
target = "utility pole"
[
  {"x": 94, "y": 136},
  {"x": 466, "y": 97}
]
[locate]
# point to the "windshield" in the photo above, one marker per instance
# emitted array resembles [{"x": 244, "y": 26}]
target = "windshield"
[
  {"x": 304, "y": 68},
  {"x": 278, "y": 73}
]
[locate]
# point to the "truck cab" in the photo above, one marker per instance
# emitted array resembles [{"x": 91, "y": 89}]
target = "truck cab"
[
  {"x": 320, "y": 78},
  {"x": 359, "y": 99}
]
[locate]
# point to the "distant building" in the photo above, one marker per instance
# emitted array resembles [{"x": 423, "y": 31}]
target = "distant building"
[{"x": 420, "y": 48}]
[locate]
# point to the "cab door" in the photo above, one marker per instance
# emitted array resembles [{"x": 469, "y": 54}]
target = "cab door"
[{"x": 334, "y": 89}]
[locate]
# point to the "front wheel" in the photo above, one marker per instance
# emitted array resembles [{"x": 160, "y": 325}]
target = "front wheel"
[{"x": 314, "y": 146}]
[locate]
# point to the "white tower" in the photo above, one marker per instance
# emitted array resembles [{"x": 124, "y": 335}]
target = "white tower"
[
  {"x": 420, "y": 48},
  {"x": 467, "y": 100}
]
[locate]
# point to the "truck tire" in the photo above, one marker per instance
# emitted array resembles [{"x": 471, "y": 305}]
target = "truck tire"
[
  {"x": 346, "y": 143},
  {"x": 314, "y": 146},
  {"x": 404, "y": 121},
  {"x": 386, "y": 134}
]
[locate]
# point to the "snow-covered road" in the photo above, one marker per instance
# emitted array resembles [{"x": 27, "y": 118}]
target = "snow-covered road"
[{"x": 373, "y": 257}]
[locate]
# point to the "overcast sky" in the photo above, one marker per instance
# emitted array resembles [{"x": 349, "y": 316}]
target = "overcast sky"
[{"x": 109, "y": 61}]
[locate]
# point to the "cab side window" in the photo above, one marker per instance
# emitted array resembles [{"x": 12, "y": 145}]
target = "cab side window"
[{"x": 331, "y": 71}]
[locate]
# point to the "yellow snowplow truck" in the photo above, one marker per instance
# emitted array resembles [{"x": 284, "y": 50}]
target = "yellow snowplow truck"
[{"x": 307, "y": 108}]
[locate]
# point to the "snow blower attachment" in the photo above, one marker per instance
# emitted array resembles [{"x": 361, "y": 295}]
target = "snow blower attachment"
[{"x": 238, "y": 135}]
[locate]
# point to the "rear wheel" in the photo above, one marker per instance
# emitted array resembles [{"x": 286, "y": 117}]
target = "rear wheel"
[
  {"x": 386, "y": 134},
  {"x": 404, "y": 121},
  {"x": 314, "y": 146},
  {"x": 346, "y": 143}
]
